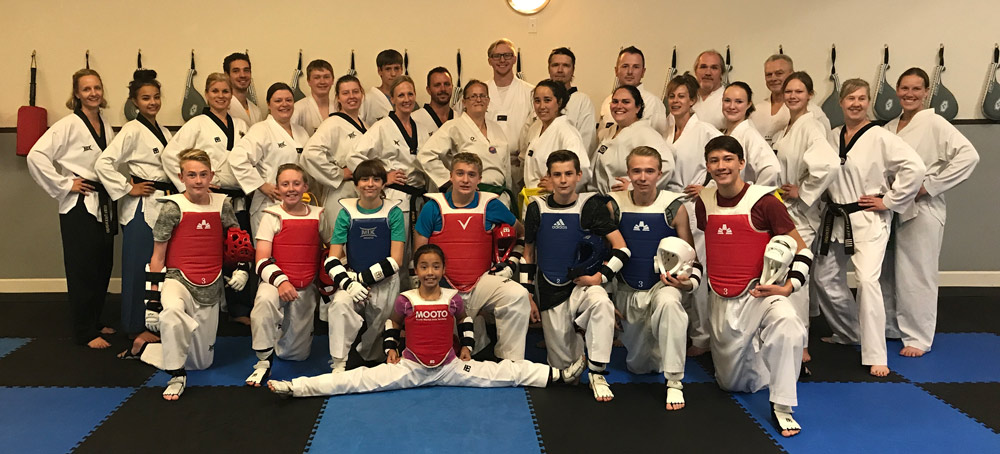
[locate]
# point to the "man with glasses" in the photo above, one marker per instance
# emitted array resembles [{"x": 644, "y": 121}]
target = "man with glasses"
[{"x": 510, "y": 99}]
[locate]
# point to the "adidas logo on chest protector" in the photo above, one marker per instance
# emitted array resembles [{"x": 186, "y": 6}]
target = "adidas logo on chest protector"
[
  {"x": 641, "y": 227},
  {"x": 559, "y": 225}
]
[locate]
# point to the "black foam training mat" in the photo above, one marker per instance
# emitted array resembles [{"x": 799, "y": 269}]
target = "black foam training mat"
[
  {"x": 207, "y": 419},
  {"x": 570, "y": 421}
]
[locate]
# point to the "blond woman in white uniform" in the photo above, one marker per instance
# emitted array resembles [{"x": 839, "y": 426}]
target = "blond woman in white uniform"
[{"x": 878, "y": 173}]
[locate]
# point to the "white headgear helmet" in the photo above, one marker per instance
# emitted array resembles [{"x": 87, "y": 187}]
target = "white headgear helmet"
[
  {"x": 778, "y": 256},
  {"x": 674, "y": 256}
]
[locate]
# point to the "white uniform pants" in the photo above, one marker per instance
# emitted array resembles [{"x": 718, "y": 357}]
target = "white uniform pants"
[
  {"x": 910, "y": 280},
  {"x": 588, "y": 308},
  {"x": 411, "y": 374},
  {"x": 284, "y": 326},
  {"x": 853, "y": 321},
  {"x": 757, "y": 343},
  {"x": 506, "y": 302},
  {"x": 696, "y": 302},
  {"x": 345, "y": 318},
  {"x": 187, "y": 331},
  {"x": 655, "y": 336}
]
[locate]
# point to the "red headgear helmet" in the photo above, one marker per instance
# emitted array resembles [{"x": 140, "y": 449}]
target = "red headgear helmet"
[
  {"x": 238, "y": 247},
  {"x": 504, "y": 240}
]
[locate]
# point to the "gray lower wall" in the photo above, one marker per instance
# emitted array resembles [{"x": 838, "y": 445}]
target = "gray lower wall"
[{"x": 31, "y": 246}]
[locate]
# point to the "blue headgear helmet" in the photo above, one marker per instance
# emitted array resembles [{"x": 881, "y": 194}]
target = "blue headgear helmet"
[{"x": 591, "y": 252}]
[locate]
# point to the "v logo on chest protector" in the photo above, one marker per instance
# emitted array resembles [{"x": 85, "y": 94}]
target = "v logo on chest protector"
[{"x": 466, "y": 223}]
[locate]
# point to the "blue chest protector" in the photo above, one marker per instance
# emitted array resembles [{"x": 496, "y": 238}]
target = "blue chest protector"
[
  {"x": 558, "y": 234},
  {"x": 643, "y": 228},
  {"x": 369, "y": 239}
]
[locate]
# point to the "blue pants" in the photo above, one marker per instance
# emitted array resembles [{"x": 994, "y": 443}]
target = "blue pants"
[{"x": 137, "y": 248}]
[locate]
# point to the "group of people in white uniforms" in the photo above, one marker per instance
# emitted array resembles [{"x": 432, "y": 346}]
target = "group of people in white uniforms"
[{"x": 244, "y": 158}]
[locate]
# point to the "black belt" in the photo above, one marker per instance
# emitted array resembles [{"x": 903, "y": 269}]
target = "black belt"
[
  {"x": 109, "y": 211},
  {"x": 415, "y": 194},
  {"x": 837, "y": 210},
  {"x": 164, "y": 186}
]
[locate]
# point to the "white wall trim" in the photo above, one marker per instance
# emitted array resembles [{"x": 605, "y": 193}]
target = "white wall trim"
[
  {"x": 58, "y": 285},
  {"x": 53, "y": 285}
]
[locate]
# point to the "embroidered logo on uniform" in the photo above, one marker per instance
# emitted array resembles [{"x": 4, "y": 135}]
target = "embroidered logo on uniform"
[
  {"x": 396, "y": 142},
  {"x": 466, "y": 223},
  {"x": 156, "y": 150},
  {"x": 641, "y": 227},
  {"x": 368, "y": 233},
  {"x": 218, "y": 139},
  {"x": 493, "y": 150},
  {"x": 725, "y": 230},
  {"x": 242, "y": 134},
  {"x": 559, "y": 225},
  {"x": 203, "y": 225},
  {"x": 531, "y": 152},
  {"x": 430, "y": 134},
  {"x": 88, "y": 147},
  {"x": 351, "y": 135},
  {"x": 608, "y": 124},
  {"x": 602, "y": 149},
  {"x": 467, "y": 368},
  {"x": 379, "y": 118},
  {"x": 298, "y": 150},
  {"x": 211, "y": 347},
  {"x": 501, "y": 118},
  {"x": 281, "y": 144},
  {"x": 472, "y": 138}
]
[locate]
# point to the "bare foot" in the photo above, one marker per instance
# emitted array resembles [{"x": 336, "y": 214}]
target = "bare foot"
[
  {"x": 147, "y": 336},
  {"x": 108, "y": 330},
  {"x": 805, "y": 355},
  {"x": 911, "y": 352},
  {"x": 243, "y": 319},
  {"x": 98, "y": 343},
  {"x": 675, "y": 399},
  {"x": 697, "y": 351},
  {"x": 880, "y": 371},
  {"x": 137, "y": 345}
]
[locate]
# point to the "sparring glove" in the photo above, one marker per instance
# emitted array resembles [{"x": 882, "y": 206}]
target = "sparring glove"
[
  {"x": 503, "y": 269},
  {"x": 357, "y": 291},
  {"x": 238, "y": 280}
]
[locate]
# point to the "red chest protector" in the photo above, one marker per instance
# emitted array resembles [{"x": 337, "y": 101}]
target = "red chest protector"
[
  {"x": 734, "y": 249},
  {"x": 429, "y": 327},
  {"x": 295, "y": 247},
  {"x": 195, "y": 247},
  {"x": 465, "y": 241}
]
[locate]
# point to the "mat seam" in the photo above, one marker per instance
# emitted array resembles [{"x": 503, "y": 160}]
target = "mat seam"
[
  {"x": 767, "y": 432},
  {"x": 939, "y": 398},
  {"x": 534, "y": 421},
  {"x": 30, "y": 340},
  {"x": 104, "y": 419},
  {"x": 319, "y": 418}
]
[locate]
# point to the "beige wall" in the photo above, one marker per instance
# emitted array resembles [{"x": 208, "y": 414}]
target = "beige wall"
[
  {"x": 30, "y": 245},
  {"x": 433, "y": 29}
]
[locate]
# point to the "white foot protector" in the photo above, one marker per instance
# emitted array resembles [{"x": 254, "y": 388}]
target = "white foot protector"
[
  {"x": 261, "y": 371},
  {"x": 281, "y": 387},
  {"x": 675, "y": 393},
  {"x": 573, "y": 372},
  {"x": 338, "y": 365},
  {"x": 600, "y": 386},
  {"x": 781, "y": 415},
  {"x": 175, "y": 387}
]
